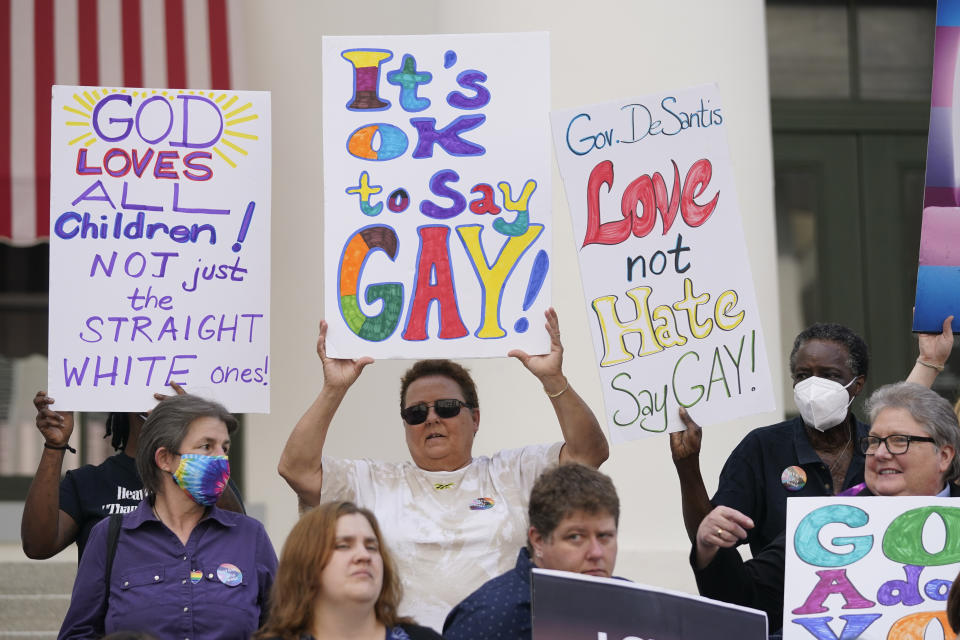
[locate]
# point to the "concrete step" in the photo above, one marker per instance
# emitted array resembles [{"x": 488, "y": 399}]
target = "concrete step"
[
  {"x": 34, "y": 597},
  {"x": 37, "y": 576}
]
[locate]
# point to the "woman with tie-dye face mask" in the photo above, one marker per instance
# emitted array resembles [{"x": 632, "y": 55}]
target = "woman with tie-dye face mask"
[
  {"x": 62, "y": 509},
  {"x": 205, "y": 572}
]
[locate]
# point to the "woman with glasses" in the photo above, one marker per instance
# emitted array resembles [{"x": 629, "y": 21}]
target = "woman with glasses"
[
  {"x": 911, "y": 450},
  {"x": 447, "y": 509}
]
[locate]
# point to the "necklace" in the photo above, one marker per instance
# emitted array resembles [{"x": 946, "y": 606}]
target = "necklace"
[{"x": 839, "y": 458}]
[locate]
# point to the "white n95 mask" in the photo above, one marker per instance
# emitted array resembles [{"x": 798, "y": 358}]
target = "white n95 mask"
[{"x": 822, "y": 403}]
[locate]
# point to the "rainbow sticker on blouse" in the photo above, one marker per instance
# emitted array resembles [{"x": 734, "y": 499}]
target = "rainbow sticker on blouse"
[
  {"x": 793, "y": 478},
  {"x": 229, "y": 574},
  {"x": 481, "y": 504},
  {"x": 196, "y": 576}
]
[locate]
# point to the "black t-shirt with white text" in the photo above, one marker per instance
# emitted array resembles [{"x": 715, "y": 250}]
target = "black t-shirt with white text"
[{"x": 91, "y": 493}]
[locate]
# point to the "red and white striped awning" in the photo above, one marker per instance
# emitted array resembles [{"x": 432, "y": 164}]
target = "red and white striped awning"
[{"x": 182, "y": 44}]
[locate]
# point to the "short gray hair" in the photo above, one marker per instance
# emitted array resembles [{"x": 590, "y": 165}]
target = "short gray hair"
[
  {"x": 931, "y": 411},
  {"x": 167, "y": 426}
]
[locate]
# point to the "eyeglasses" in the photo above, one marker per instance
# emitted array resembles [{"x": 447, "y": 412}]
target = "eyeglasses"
[
  {"x": 445, "y": 408},
  {"x": 896, "y": 444}
]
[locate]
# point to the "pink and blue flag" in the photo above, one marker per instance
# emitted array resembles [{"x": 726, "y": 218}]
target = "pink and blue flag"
[{"x": 938, "y": 273}]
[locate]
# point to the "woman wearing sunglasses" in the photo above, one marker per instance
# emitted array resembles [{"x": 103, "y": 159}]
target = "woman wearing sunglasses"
[
  {"x": 453, "y": 520},
  {"x": 911, "y": 450}
]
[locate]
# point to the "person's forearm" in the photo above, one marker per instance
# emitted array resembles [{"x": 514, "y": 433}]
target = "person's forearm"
[
  {"x": 300, "y": 464},
  {"x": 693, "y": 496},
  {"x": 583, "y": 437},
  {"x": 924, "y": 374},
  {"x": 39, "y": 526}
]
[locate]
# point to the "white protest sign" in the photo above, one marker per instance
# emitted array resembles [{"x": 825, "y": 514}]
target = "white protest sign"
[
  {"x": 437, "y": 212},
  {"x": 663, "y": 261},
  {"x": 159, "y": 247},
  {"x": 870, "y": 567}
]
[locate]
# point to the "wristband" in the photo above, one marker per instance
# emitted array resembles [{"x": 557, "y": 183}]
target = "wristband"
[
  {"x": 936, "y": 367},
  {"x": 66, "y": 447},
  {"x": 558, "y": 393}
]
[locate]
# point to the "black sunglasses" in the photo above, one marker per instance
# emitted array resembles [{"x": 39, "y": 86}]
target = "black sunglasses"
[{"x": 445, "y": 408}]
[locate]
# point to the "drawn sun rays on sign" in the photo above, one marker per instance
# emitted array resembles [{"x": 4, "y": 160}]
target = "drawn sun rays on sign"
[
  {"x": 85, "y": 101},
  {"x": 233, "y": 118},
  {"x": 228, "y": 148}
]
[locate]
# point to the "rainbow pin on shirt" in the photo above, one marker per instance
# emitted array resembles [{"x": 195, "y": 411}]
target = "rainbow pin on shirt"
[
  {"x": 481, "y": 504},
  {"x": 793, "y": 478}
]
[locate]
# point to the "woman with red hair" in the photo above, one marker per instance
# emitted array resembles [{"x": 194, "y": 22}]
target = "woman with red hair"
[{"x": 337, "y": 580}]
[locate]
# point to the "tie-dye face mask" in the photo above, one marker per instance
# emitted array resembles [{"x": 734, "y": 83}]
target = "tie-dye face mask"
[{"x": 203, "y": 477}]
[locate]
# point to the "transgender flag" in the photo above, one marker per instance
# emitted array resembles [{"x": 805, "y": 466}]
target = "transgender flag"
[
  {"x": 938, "y": 275},
  {"x": 179, "y": 44}
]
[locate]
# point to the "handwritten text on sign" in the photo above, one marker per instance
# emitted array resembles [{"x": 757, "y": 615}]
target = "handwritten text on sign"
[
  {"x": 663, "y": 261},
  {"x": 436, "y": 173},
  {"x": 160, "y": 218},
  {"x": 870, "y": 567}
]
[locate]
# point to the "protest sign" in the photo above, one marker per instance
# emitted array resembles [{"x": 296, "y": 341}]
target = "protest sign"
[
  {"x": 663, "y": 261},
  {"x": 938, "y": 273},
  {"x": 572, "y": 606},
  {"x": 437, "y": 213},
  {"x": 870, "y": 567},
  {"x": 159, "y": 247}
]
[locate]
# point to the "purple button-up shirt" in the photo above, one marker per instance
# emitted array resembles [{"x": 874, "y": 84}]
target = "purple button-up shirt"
[{"x": 214, "y": 587}]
